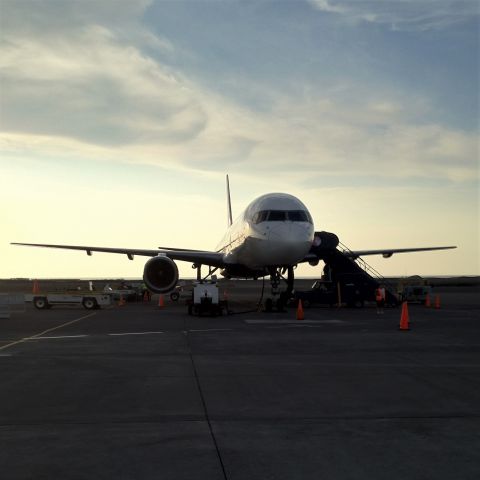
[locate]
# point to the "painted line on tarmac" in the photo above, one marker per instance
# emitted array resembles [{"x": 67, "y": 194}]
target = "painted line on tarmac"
[
  {"x": 292, "y": 325},
  {"x": 213, "y": 330},
  {"x": 292, "y": 322},
  {"x": 55, "y": 338},
  {"x": 33, "y": 337},
  {"x": 132, "y": 333}
]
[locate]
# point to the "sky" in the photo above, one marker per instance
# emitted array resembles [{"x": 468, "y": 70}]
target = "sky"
[{"x": 119, "y": 120}]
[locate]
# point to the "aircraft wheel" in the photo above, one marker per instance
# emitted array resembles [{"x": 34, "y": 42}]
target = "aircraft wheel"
[
  {"x": 89, "y": 303},
  {"x": 280, "y": 305},
  {"x": 174, "y": 296},
  {"x": 268, "y": 305},
  {"x": 41, "y": 303}
]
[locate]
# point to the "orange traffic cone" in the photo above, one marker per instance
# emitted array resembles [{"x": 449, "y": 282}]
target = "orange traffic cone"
[
  {"x": 300, "y": 315},
  {"x": 437, "y": 301},
  {"x": 404, "y": 318},
  {"x": 427, "y": 301},
  {"x": 161, "y": 301},
  {"x": 121, "y": 302},
  {"x": 145, "y": 297}
]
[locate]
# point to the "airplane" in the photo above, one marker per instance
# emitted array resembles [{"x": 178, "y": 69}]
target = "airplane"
[{"x": 270, "y": 238}]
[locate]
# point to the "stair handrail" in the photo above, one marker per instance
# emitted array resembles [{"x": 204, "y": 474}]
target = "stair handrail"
[{"x": 368, "y": 268}]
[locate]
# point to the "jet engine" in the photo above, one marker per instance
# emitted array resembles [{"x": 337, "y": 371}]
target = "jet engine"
[
  {"x": 323, "y": 242},
  {"x": 160, "y": 274}
]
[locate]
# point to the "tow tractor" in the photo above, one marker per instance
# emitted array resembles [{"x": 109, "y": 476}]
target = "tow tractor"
[
  {"x": 416, "y": 293},
  {"x": 205, "y": 299},
  {"x": 88, "y": 300}
]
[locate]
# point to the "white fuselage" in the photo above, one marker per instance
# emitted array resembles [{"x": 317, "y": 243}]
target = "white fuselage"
[{"x": 274, "y": 230}]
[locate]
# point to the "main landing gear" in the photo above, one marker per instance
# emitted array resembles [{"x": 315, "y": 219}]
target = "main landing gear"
[{"x": 278, "y": 299}]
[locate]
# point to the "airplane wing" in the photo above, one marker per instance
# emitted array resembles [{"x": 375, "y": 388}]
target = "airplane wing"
[
  {"x": 215, "y": 259},
  {"x": 387, "y": 253}
]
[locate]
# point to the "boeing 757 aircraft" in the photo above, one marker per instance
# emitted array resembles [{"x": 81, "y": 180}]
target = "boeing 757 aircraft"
[{"x": 273, "y": 235}]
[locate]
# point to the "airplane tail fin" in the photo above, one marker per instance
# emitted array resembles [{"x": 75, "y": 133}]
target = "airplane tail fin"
[{"x": 229, "y": 204}]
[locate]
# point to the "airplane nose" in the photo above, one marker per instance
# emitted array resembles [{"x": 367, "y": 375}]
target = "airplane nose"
[
  {"x": 290, "y": 233},
  {"x": 289, "y": 242}
]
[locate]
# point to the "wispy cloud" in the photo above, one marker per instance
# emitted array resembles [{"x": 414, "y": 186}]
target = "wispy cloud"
[
  {"x": 403, "y": 14},
  {"x": 92, "y": 90},
  {"x": 90, "y": 86}
]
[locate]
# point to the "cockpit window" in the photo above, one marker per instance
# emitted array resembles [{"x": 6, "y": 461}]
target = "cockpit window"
[
  {"x": 281, "y": 216},
  {"x": 260, "y": 217},
  {"x": 276, "y": 216},
  {"x": 297, "y": 216}
]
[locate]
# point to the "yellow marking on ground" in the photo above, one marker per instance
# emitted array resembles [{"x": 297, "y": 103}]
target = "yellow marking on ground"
[{"x": 4, "y": 347}]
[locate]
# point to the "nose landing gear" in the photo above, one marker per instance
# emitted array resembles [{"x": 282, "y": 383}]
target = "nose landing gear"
[{"x": 279, "y": 299}]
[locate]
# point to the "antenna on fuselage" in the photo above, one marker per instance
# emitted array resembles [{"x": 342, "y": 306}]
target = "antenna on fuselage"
[{"x": 229, "y": 204}]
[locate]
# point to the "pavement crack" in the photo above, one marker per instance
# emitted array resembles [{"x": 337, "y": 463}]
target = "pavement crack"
[{"x": 204, "y": 405}]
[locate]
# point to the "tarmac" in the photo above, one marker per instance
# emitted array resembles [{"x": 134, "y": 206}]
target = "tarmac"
[{"x": 142, "y": 392}]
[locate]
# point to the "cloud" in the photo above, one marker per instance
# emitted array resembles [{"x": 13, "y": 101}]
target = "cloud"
[
  {"x": 89, "y": 86},
  {"x": 368, "y": 138},
  {"x": 325, "y": 6},
  {"x": 45, "y": 17},
  {"x": 405, "y": 15},
  {"x": 91, "y": 91}
]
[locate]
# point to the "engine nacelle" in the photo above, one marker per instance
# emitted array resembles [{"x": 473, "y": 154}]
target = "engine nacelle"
[{"x": 160, "y": 274}]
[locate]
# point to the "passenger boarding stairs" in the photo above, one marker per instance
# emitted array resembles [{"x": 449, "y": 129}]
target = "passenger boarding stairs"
[
  {"x": 342, "y": 266},
  {"x": 374, "y": 277}
]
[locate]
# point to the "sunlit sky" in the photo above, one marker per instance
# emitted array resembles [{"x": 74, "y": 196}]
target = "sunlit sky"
[{"x": 120, "y": 119}]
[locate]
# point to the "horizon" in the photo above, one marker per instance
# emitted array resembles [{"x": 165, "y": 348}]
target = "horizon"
[{"x": 96, "y": 279}]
